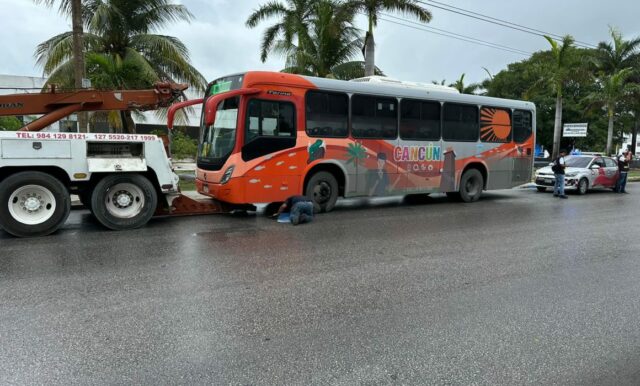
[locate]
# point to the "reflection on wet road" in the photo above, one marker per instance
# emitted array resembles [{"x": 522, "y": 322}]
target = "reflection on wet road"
[{"x": 517, "y": 288}]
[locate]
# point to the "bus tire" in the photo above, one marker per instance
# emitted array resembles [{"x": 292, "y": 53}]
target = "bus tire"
[
  {"x": 471, "y": 185},
  {"x": 33, "y": 204},
  {"x": 124, "y": 201},
  {"x": 322, "y": 190}
]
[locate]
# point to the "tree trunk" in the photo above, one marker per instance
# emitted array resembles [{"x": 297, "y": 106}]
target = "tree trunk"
[
  {"x": 129, "y": 123},
  {"x": 78, "y": 55},
  {"x": 609, "y": 133},
  {"x": 635, "y": 134},
  {"x": 557, "y": 128},
  {"x": 369, "y": 56}
]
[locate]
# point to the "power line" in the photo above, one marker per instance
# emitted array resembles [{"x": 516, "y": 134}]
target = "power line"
[
  {"x": 496, "y": 21},
  {"x": 454, "y": 34},
  {"x": 465, "y": 39}
]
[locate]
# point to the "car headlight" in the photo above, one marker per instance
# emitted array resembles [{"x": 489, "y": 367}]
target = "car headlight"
[
  {"x": 572, "y": 174},
  {"x": 227, "y": 174}
]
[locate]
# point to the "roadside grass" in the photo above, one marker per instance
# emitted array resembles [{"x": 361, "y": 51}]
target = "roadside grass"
[{"x": 187, "y": 180}]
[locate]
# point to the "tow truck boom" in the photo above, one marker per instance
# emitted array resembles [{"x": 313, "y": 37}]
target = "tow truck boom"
[{"x": 57, "y": 105}]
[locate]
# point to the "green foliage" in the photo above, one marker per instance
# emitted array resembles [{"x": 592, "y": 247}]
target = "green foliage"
[
  {"x": 182, "y": 146},
  {"x": 464, "y": 88},
  {"x": 9, "y": 124},
  {"x": 119, "y": 48},
  {"x": 527, "y": 80},
  {"x": 331, "y": 43}
]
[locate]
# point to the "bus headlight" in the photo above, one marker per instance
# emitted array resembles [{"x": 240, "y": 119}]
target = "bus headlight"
[{"x": 227, "y": 174}]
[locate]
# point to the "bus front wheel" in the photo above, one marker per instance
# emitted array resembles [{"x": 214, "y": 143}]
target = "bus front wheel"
[
  {"x": 322, "y": 189},
  {"x": 471, "y": 185}
]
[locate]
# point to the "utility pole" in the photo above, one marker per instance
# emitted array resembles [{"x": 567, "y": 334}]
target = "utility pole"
[{"x": 78, "y": 56}]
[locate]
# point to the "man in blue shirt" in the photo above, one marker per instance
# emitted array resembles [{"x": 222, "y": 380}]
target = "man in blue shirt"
[{"x": 300, "y": 209}]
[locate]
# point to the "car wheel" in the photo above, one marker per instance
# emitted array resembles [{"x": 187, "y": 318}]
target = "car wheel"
[
  {"x": 583, "y": 186},
  {"x": 541, "y": 189},
  {"x": 33, "y": 204},
  {"x": 124, "y": 201}
]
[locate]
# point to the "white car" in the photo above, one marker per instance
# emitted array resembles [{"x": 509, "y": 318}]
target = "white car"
[{"x": 583, "y": 172}]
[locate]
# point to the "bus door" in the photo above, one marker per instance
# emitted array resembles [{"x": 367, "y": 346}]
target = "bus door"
[
  {"x": 269, "y": 129},
  {"x": 523, "y": 137},
  {"x": 374, "y": 129}
]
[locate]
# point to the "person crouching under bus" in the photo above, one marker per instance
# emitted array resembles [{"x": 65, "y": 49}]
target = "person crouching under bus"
[{"x": 300, "y": 209}]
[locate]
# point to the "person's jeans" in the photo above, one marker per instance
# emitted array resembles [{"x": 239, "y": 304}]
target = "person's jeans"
[
  {"x": 621, "y": 184},
  {"x": 301, "y": 212},
  {"x": 558, "y": 188}
]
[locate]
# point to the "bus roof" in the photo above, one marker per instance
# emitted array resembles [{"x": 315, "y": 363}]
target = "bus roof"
[{"x": 378, "y": 88}]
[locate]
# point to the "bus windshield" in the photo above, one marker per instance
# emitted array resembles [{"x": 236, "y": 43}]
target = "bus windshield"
[{"x": 218, "y": 139}]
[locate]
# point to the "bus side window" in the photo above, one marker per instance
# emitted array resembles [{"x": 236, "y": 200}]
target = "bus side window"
[
  {"x": 374, "y": 117},
  {"x": 522, "y": 126},
  {"x": 269, "y": 119},
  {"x": 327, "y": 114},
  {"x": 419, "y": 120},
  {"x": 460, "y": 123}
]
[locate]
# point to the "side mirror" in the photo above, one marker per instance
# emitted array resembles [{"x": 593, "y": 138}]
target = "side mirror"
[
  {"x": 211, "y": 105},
  {"x": 551, "y": 164},
  {"x": 595, "y": 166}
]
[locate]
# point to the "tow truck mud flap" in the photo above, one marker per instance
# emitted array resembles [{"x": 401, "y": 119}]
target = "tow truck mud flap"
[{"x": 186, "y": 206}]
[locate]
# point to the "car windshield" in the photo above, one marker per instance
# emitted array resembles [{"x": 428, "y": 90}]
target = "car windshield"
[{"x": 577, "y": 162}]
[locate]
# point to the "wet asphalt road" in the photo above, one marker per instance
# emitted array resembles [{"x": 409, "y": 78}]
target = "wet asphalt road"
[{"x": 518, "y": 288}]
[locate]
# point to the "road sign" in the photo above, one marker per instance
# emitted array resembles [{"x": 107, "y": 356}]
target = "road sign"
[{"x": 575, "y": 130}]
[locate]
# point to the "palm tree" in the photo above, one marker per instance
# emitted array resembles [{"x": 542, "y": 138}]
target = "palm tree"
[
  {"x": 372, "y": 10},
  {"x": 355, "y": 153},
  {"x": 611, "y": 58},
  {"x": 119, "y": 32},
  {"x": 75, "y": 8},
  {"x": 613, "y": 90},
  {"x": 333, "y": 42},
  {"x": 559, "y": 75},
  {"x": 292, "y": 25},
  {"x": 465, "y": 89}
]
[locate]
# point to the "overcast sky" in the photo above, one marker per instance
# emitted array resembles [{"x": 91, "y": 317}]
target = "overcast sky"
[{"x": 220, "y": 44}]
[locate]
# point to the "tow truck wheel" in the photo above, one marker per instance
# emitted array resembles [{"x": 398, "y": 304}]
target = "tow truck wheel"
[
  {"x": 33, "y": 204},
  {"x": 124, "y": 201}
]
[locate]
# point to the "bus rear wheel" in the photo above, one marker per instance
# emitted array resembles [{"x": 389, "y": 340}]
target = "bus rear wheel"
[
  {"x": 471, "y": 185},
  {"x": 322, "y": 190}
]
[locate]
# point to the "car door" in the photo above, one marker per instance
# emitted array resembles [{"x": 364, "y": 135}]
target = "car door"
[
  {"x": 611, "y": 171},
  {"x": 601, "y": 178}
]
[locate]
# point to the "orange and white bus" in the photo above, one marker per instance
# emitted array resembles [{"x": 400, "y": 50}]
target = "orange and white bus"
[{"x": 266, "y": 136}]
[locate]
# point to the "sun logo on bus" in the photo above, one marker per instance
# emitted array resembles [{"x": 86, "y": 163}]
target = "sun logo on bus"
[{"x": 495, "y": 125}]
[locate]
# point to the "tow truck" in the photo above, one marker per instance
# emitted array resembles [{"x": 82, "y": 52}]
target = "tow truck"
[{"x": 124, "y": 179}]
